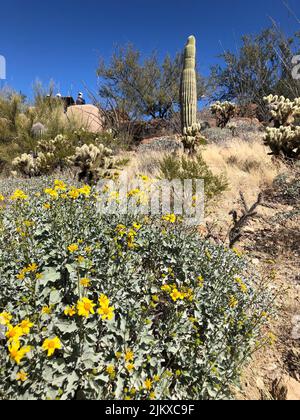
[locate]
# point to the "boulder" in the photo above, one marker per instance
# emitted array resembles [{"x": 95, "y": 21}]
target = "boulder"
[{"x": 86, "y": 116}]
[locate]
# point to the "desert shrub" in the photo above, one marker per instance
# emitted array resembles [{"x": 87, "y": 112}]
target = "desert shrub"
[
  {"x": 108, "y": 307},
  {"x": 217, "y": 135},
  {"x": 287, "y": 188},
  {"x": 163, "y": 144},
  {"x": 183, "y": 167},
  {"x": 223, "y": 112}
]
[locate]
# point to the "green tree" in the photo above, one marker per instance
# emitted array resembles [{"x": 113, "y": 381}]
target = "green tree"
[
  {"x": 142, "y": 87},
  {"x": 262, "y": 66}
]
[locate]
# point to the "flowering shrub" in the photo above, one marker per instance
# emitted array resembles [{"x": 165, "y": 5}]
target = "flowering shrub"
[{"x": 118, "y": 307}]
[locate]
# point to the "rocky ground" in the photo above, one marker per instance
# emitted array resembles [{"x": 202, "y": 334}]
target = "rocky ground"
[{"x": 273, "y": 243}]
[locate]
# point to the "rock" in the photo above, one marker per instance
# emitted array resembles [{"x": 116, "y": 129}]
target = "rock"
[
  {"x": 86, "y": 116},
  {"x": 286, "y": 388}
]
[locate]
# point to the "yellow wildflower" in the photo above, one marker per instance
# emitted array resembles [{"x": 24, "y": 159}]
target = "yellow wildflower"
[
  {"x": 85, "y": 282},
  {"x": 73, "y": 248},
  {"x": 52, "y": 193},
  {"x": 51, "y": 344},
  {"x": 2, "y": 198},
  {"x": 111, "y": 370},
  {"x": 103, "y": 300},
  {"x": 31, "y": 268},
  {"x": 171, "y": 218},
  {"x": 166, "y": 288},
  {"x": 176, "y": 295},
  {"x": 107, "y": 312},
  {"x": 5, "y": 318},
  {"x": 137, "y": 226},
  {"x": 70, "y": 311},
  {"x": 46, "y": 310},
  {"x": 47, "y": 206},
  {"x": 14, "y": 333},
  {"x": 59, "y": 185},
  {"x": 233, "y": 302},
  {"x": 242, "y": 285},
  {"x": 130, "y": 367},
  {"x": 85, "y": 190},
  {"x": 129, "y": 356},
  {"x": 26, "y": 326},
  {"x": 74, "y": 193},
  {"x": 201, "y": 281},
  {"x": 85, "y": 307},
  {"x": 17, "y": 353},
  {"x": 19, "y": 195},
  {"x": 148, "y": 384},
  {"x": 21, "y": 376}
]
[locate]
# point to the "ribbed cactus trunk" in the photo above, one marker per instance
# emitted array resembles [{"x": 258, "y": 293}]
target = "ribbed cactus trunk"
[{"x": 189, "y": 99}]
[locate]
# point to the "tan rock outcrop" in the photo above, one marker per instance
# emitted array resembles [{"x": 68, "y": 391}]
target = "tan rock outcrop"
[{"x": 86, "y": 116}]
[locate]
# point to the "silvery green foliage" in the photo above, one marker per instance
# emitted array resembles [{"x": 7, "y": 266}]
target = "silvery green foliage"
[{"x": 195, "y": 347}]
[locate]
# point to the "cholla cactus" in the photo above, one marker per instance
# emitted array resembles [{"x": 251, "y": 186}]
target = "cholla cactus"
[
  {"x": 25, "y": 164},
  {"x": 284, "y": 141},
  {"x": 30, "y": 166},
  {"x": 283, "y": 111},
  {"x": 93, "y": 161},
  {"x": 233, "y": 128},
  {"x": 50, "y": 146},
  {"x": 189, "y": 98},
  {"x": 223, "y": 111}
]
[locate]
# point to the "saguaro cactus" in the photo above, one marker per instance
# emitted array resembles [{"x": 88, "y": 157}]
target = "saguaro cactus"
[{"x": 189, "y": 97}]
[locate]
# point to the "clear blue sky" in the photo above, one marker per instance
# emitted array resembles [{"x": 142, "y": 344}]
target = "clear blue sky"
[{"x": 63, "y": 39}]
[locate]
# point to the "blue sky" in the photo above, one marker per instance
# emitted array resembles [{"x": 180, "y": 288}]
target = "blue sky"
[{"x": 63, "y": 39}]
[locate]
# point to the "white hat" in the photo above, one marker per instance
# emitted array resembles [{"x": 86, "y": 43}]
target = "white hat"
[
  {"x": 80, "y": 94},
  {"x": 58, "y": 95}
]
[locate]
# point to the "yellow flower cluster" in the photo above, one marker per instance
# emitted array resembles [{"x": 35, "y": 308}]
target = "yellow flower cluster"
[
  {"x": 61, "y": 190},
  {"x": 19, "y": 195},
  {"x": 176, "y": 294},
  {"x": 14, "y": 334},
  {"x": 86, "y": 307},
  {"x": 242, "y": 285},
  {"x": 31, "y": 268},
  {"x": 170, "y": 218},
  {"x": 105, "y": 311},
  {"x": 131, "y": 233}
]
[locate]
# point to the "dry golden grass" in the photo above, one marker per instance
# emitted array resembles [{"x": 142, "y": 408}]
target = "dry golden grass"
[{"x": 247, "y": 166}]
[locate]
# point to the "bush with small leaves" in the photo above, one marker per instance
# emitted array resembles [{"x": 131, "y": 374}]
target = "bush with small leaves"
[
  {"x": 176, "y": 167},
  {"x": 118, "y": 307}
]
